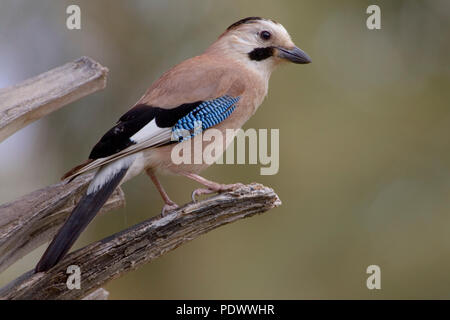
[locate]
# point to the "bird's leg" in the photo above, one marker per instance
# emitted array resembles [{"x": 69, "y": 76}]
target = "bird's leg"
[
  {"x": 212, "y": 186},
  {"x": 169, "y": 204}
]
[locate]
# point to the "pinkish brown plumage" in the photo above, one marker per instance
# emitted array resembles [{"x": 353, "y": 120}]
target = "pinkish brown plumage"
[{"x": 234, "y": 70}]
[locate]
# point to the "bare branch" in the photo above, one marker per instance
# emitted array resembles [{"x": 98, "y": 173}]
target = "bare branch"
[
  {"x": 99, "y": 294},
  {"x": 111, "y": 257},
  {"x": 36, "y": 97},
  {"x": 33, "y": 219}
]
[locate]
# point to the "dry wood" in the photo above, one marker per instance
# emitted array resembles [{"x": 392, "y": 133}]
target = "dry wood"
[
  {"x": 111, "y": 257},
  {"x": 36, "y": 97},
  {"x": 99, "y": 294},
  {"x": 34, "y": 219}
]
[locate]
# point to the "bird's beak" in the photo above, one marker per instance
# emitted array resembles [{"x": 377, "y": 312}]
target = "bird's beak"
[{"x": 295, "y": 55}]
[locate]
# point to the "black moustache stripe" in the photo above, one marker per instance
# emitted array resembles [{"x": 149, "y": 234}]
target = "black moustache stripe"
[{"x": 260, "y": 54}]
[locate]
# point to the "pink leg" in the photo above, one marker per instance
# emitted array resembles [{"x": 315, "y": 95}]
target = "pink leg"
[
  {"x": 169, "y": 204},
  {"x": 212, "y": 186}
]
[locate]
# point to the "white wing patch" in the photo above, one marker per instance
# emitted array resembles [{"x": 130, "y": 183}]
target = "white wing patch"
[
  {"x": 149, "y": 130},
  {"x": 149, "y": 136},
  {"x": 205, "y": 115}
]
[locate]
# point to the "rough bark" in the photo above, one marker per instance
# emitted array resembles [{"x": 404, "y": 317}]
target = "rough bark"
[
  {"x": 111, "y": 257},
  {"x": 33, "y": 219},
  {"x": 38, "y": 96}
]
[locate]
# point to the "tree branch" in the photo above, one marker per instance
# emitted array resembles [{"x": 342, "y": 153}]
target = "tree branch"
[
  {"x": 111, "y": 257},
  {"x": 36, "y": 97},
  {"x": 33, "y": 219},
  {"x": 99, "y": 294}
]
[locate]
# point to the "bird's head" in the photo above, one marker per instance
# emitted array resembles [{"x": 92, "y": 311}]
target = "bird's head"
[{"x": 259, "y": 42}]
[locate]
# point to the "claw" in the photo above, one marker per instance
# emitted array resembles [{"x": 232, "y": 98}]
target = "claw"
[
  {"x": 169, "y": 207},
  {"x": 220, "y": 188},
  {"x": 199, "y": 192}
]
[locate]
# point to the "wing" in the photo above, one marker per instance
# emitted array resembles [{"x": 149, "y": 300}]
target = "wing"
[
  {"x": 198, "y": 90},
  {"x": 146, "y": 126},
  {"x": 141, "y": 123}
]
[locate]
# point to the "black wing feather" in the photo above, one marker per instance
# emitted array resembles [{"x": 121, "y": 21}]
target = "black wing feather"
[{"x": 118, "y": 137}]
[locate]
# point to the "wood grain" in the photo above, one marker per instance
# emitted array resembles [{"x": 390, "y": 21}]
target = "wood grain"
[
  {"x": 33, "y": 219},
  {"x": 38, "y": 96},
  {"x": 111, "y": 257}
]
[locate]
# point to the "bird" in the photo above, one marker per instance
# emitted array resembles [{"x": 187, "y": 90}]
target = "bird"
[{"x": 222, "y": 88}]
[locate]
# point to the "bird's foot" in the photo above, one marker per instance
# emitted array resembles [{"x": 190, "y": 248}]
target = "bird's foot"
[
  {"x": 170, "y": 206},
  {"x": 215, "y": 188}
]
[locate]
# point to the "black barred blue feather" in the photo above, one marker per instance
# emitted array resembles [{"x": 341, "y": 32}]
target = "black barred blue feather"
[
  {"x": 144, "y": 122},
  {"x": 206, "y": 115}
]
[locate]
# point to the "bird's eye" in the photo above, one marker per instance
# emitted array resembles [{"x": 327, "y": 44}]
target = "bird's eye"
[{"x": 265, "y": 35}]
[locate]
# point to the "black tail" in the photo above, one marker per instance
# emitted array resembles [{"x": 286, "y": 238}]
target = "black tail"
[{"x": 78, "y": 220}]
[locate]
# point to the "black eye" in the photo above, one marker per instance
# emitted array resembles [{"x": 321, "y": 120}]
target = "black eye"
[{"x": 265, "y": 35}]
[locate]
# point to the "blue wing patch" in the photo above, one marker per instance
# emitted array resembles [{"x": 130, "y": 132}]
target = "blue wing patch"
[{"x": 206, "y": 115}]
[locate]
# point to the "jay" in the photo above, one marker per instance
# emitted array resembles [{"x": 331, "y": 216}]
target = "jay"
[{"x": 222, "y": 88}]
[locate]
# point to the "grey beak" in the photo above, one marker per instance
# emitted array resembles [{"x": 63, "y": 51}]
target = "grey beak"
[{"x": 294, "y": 55}]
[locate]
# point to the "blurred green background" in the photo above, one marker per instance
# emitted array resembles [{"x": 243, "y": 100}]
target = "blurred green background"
[{"x": 364, "y": 153}]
